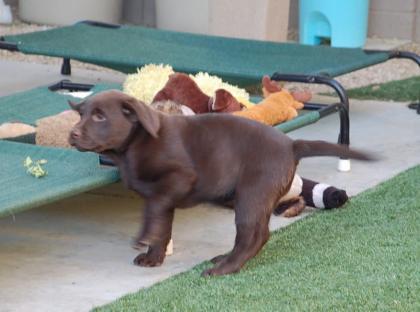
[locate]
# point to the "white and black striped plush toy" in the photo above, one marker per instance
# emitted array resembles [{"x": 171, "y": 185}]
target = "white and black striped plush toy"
[
  {"x": 303, "y": 192},
  {"x": 307, "y": 192}
]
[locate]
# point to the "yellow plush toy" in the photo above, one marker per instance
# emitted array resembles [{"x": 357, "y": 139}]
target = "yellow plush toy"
[{"x": 151, "y": 78}]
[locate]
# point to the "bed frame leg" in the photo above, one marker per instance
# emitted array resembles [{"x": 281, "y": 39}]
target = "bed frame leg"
[
  {"x": 66, "y": 67},
  {"x": 344, "y": 165},
  {"x": 415, "y": 58},
  {"x": 343, "y": 106}
]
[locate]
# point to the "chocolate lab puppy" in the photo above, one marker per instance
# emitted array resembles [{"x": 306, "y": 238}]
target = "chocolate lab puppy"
[{"x": 181, "y": 161}]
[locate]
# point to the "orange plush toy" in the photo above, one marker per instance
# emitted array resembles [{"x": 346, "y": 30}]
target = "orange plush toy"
[{"x": 277, "y": 106}]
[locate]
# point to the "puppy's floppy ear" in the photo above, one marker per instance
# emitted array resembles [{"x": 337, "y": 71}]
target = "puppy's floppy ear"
[
  {"x": 138, "y": 111},
  {"x": 75, "y": 106}
]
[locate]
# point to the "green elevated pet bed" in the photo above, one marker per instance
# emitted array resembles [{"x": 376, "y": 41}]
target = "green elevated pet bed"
[
  {"x": 69, "y": 172},
  {"x": 125, "y": 48}
]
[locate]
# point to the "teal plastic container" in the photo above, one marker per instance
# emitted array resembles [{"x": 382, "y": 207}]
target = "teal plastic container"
[{"x": 341, "y": 22}]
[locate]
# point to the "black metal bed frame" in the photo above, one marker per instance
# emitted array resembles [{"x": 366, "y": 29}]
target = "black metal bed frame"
[{"x": 341, "y": 107}]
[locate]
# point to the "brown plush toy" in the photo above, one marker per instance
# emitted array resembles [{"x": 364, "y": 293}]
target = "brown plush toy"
[{"x": 181, "y": 89}]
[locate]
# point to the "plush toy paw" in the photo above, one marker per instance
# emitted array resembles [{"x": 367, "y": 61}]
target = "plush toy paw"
[
  {"x": 301, "y": 96},
  {"x": 295, "y": 209},
  {"x": 269, "y": 87}
]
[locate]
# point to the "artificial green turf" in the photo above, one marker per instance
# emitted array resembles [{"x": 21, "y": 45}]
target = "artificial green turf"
[
  {"x": 363, "y": 257},
  {"x": 399, "y": 90}
]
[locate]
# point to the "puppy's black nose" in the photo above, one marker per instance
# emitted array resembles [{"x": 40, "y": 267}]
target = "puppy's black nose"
[{"x": 75, "y": 134}]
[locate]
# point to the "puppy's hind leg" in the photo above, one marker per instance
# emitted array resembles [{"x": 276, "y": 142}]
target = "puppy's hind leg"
[{"x": 253, "y": 207}]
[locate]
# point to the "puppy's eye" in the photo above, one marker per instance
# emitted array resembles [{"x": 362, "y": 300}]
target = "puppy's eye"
[{"x": 98, "y": 117}]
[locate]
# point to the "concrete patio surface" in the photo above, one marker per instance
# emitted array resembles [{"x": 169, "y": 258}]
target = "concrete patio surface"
[{"x": 75, "y": 254}]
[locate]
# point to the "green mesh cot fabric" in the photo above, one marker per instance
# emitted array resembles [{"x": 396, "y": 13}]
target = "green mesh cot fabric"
[
  {"x": 29, "y": 106},
  {"x": 236, "y": 60},
  {"x": 69, "y": 172},
  {"x": 302, "y": 120}
]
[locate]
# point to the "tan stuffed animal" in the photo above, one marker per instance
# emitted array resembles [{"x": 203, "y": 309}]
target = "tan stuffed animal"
[
  {"x": 14, "y": 129},
  {"x": 54, "y": 130}
]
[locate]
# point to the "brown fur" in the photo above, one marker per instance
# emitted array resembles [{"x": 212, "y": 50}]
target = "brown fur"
[{"x": 180, "y": 161}]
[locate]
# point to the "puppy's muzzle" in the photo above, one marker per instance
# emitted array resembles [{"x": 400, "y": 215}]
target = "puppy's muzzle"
[{"x": 75, "y": 134}]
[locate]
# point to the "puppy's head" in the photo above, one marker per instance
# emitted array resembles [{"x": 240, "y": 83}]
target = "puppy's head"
[{"x": 108, "y": 119}]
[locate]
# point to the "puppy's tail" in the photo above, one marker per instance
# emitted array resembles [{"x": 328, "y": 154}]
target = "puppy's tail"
[{"x": 303, "y": 148}]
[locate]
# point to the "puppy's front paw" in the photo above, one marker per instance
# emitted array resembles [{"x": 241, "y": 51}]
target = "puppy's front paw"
[{"x": 148, "y": 260}]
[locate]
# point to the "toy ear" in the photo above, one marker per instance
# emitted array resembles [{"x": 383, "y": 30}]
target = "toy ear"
[
  {"x": 224, "y": 102},
  {"x": 74, "y": 106},
  {"x": 137, "y": 111},
  {"x": 269, "y": 86}
]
